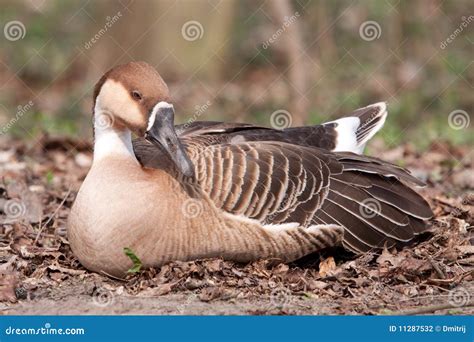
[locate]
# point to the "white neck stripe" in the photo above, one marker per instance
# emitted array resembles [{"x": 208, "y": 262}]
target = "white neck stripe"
[{"x": 157, "y": 107}]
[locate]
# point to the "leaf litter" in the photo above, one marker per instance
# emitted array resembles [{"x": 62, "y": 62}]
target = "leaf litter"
[{"x": 39, "y": 274}]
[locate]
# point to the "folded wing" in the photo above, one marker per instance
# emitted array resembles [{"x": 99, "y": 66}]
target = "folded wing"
[{"x": 279, "y": 183}]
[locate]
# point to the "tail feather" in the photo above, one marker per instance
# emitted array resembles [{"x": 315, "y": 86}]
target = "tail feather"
[
  {"x": 354, "y": 130},
  {"x": 372, "y": 119},
  {"x": 374, "y": 203}
]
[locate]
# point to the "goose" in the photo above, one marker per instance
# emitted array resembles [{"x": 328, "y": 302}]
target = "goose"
[{"x": 236, "y": 191}]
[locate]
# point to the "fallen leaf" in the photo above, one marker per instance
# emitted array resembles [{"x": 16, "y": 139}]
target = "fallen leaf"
[
  {"x": 326, "y": 266},
  {"x": 317, "y": 284},
  {"x": 210, "y": 293},
  {"x": 192, "y": 284},
  {"x": 160, "y": 290},
  {"x": 465, "y": 249},
  {"x": 387, "y": 257},
  {"x": 34, "y": 208},
  {"x": 57, "y": 276},
  {"x": 214, "y": 265},
  {"x": 163, "y": 289},
  {"x": 8, "y": 282},
  {"x": 281, "y": 269}
]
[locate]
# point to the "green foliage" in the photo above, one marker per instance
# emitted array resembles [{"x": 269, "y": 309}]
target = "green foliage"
[
  {"x": 405, "y": 66},
  {"x": 137, "y": 264},
  {"x": 49, "y": 177}
]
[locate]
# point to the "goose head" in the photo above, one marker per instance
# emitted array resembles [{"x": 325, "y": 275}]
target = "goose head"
[{"x": 133, "y": 98}]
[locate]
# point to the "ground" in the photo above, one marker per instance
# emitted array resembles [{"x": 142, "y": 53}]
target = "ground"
[{"x": 39, "y": 274}]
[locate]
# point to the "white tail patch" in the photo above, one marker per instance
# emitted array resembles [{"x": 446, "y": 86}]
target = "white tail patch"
[
  {"x": 355, "y": 130},
  {"x": 346, "y": 134}
]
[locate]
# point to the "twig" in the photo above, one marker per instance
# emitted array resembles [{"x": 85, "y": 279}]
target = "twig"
[
  {"x": 431, "y": 308},
  {"x": 444, "y": 202},
  {"x": 113, "y": 277},
  {"x": 437, "y": 269},
  {"x": 52, "y": 216}
]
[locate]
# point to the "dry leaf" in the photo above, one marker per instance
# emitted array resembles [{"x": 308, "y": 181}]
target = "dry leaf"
[
  {"x": 465, "y": 249},
  {"x": 33, "y": 206},
  {"x": 281, "y": 269},
  {"x": 317, "y": 284},
  {"x": 326, "y": 266},
  {"x": 210, "y": 293},
  {"x": 160, "y": 290},
  {"x": 214, "y": 265},
  {"x": 192, "y": 284},
  {"x": 387, "y": 257},
  {"x": 8, "y": 282}
]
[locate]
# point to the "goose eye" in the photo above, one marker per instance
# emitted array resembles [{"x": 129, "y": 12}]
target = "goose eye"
[{"x": 136, "y": 95}]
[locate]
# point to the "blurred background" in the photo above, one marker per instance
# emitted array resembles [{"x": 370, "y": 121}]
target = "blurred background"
[{"x": 243, "y": 60}]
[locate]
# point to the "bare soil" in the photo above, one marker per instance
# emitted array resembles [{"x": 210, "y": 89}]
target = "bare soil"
[{"x": 39, "y": 274}]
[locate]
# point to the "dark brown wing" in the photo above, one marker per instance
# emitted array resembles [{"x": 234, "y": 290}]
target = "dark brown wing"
[
  {"x": 270, "y": 182},
  {"x": 374, "y": 202},
  {"x": 197, "y": 128},
  {"x": 214, "y": 133}
]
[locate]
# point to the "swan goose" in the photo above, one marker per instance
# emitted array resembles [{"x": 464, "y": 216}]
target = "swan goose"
[{"x": 236, "y": 191}]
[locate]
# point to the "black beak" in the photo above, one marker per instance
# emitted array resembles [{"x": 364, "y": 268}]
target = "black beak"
[{"x": 161, "y": 132}]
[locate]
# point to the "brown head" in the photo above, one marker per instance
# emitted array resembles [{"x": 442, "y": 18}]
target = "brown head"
[{"x": 134, "y": 97}]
